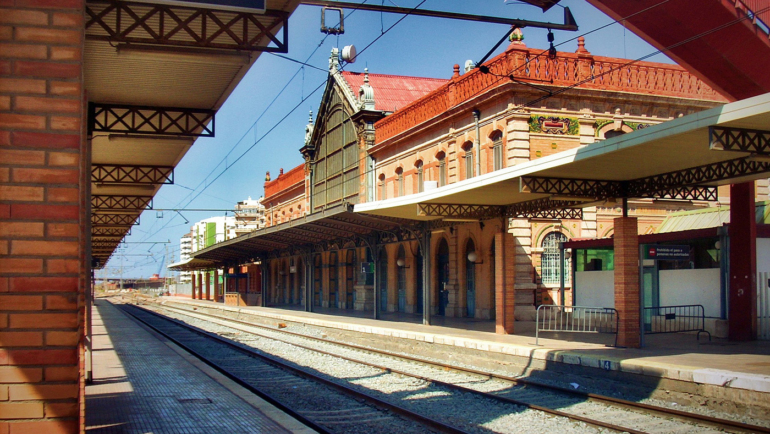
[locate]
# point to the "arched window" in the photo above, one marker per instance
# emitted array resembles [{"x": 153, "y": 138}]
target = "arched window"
[
  {"x": 400, "y": 181},
  {"x": 550, "y": 268},
  {"x": 497, "y": 149},
  {"x": 383, "y": 191},
  {"x": 441, "y": 157},
  {"x": 468, "y": 148},
  {"x": 420, "y": 180}
]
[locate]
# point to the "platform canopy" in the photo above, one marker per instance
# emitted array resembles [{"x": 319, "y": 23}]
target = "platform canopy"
[
  {"x": 156, "y": 72},
  {"x": 337, "y": 225},
  {"x": 682, "y": 159}
]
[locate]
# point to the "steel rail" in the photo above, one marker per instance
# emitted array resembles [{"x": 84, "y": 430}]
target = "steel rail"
[
  {"x": 635, "y": 406},
  {"x": 423, "y": 420}
]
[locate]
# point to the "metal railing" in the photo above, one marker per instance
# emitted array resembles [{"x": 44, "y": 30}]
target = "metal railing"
[
  {"x": 576, "y": 319},
  {"x": 675, "y": 319}
]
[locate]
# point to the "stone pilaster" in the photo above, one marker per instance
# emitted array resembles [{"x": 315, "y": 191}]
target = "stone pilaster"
[
  {"x": 588, "y": 224},
  {"x": 517, "y": 150},
  {"x": 586, "y": 129}
]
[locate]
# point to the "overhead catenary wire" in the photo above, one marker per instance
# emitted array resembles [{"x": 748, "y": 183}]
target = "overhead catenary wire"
[{"x": 557, "y": 91}]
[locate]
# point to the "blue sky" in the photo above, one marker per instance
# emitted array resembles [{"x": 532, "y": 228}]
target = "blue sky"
[{"x": 257, "y": 131}]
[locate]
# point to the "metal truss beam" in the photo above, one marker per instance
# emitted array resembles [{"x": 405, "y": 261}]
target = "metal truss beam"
[
  {"x": 589, "y": 188},
  {"x": 120, "y": 203},
  {"x": 110, "y": 173},
  {"x": 114, "y": 219},
  {"x": 545, "y": 209},
  {"x": 670, "y": 183},
  {"x": 449, "y": 210},
  {"x": 109, "y": 232},
  {"x": 739, "y": 139},
  {"x": 159, "y": 121},
  {"x": 163, "y": 24},
  {"x": 104, "y": 245}
]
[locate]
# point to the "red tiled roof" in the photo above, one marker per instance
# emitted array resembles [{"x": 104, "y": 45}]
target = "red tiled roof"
[{"x": 392, "y": 92}]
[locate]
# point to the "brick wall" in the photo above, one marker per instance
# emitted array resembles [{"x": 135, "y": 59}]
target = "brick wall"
[{"x": 42, "y": 157}]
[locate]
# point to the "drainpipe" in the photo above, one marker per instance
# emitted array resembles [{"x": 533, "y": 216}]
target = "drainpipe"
[{"x": 477, "y": 145}]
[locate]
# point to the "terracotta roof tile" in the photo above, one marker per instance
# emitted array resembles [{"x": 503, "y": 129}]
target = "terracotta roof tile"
[{"x": 392, "y": 92}]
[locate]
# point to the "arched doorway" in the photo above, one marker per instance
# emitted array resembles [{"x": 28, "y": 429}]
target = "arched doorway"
[
  {"x": 442, "y": 263},
  {"x": 382, "y": 279},
  {"x": 493, "y": 282},
  {"x": 317, "y": 279},
  {"x": 550, "y": 266},
  {"x": 401, "y": 262},
  {"x": 470, "y": 278},
  {"x": 418, "y": 281},
  {"x": 334, "y": 277},
  {"x": 300, "y": 279},
  {"x": 350, "y": 279}
]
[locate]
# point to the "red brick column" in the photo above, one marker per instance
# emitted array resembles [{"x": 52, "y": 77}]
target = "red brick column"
[
  {"x": 505, "y": 279},
  {"x": 208, "y": 285},
  {"x": 742, "y": 317},
  {"x": 43, "y": 211},
  {"x": 216, "y": 285},
  {"x": 627, "y": 281}
]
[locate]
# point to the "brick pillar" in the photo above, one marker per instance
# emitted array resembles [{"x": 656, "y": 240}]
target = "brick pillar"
[
  {"x": 208, "y": 286},
  {"x": 742, "y": 316},
  {"x": 505, "y": 279},
  {"x": 216, "y": 285},
  {"x": 626, "y": 242},
  {"x": 44, "y": 179},
  {"x": 193, "y": 294},
  {"x": 522, "y": 258}
]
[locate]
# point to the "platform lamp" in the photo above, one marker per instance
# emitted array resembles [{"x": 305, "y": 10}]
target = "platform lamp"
[
  {"x": 401, "y": 263},
  {"x": 473, "y": 257}
]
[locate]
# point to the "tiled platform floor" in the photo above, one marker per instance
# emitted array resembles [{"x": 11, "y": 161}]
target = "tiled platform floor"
[{"x": 143, "y": 385}]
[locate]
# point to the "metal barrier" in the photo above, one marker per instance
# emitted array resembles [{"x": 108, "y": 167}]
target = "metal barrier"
[
  {"x": 675, "y": 319},
  {"x": 576, "y": 319}
]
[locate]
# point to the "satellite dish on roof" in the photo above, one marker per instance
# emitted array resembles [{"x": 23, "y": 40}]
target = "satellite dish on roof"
[{"x": 349, "y": 54}]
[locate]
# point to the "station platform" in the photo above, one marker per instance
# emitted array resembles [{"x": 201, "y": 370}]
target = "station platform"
[
  {"x": 145, "y": 384},
  {"x": 738, "y": 371}
]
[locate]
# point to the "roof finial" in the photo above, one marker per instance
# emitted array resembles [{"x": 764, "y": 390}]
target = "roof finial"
[
  {"x": 455, "y": 71},
  {"x": 310, "y": 119},
  {"x": 582, "y": 46},
  {"x": 366, "y": 93}
]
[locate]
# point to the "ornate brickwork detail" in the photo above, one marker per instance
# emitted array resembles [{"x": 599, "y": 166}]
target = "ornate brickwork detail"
[
  {"x": 553, "y": 125},
  {"x": 566, "y": 70}
]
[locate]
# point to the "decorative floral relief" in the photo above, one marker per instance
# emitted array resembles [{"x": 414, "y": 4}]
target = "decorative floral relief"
[{"x": 553, "y": 125}]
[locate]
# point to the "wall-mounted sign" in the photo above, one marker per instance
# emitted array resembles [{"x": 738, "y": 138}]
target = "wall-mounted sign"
[
  {"x": 367, "y": 267},
  {"x": 667, "y": 253}
]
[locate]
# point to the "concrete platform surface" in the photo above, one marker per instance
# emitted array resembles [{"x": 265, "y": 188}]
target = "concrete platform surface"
[
  {"x": 145, "y": 384},
  {"x": 719, "y": 363}
]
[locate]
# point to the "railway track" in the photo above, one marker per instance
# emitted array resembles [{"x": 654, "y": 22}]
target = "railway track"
[
  {"x": 615, "y": 414},
  {"x": 314, "y": 400}
]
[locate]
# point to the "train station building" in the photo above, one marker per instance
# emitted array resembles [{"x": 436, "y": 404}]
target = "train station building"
[
  {"x": 449, "y": 204},
  {"x": 459, "y": 202}
]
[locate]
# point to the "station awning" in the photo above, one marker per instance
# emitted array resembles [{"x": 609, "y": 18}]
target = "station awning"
[
  {"x": 191, "y": 264},
  {"x": 333, "y": 225},
  {"x": 684, "y": 158}
]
